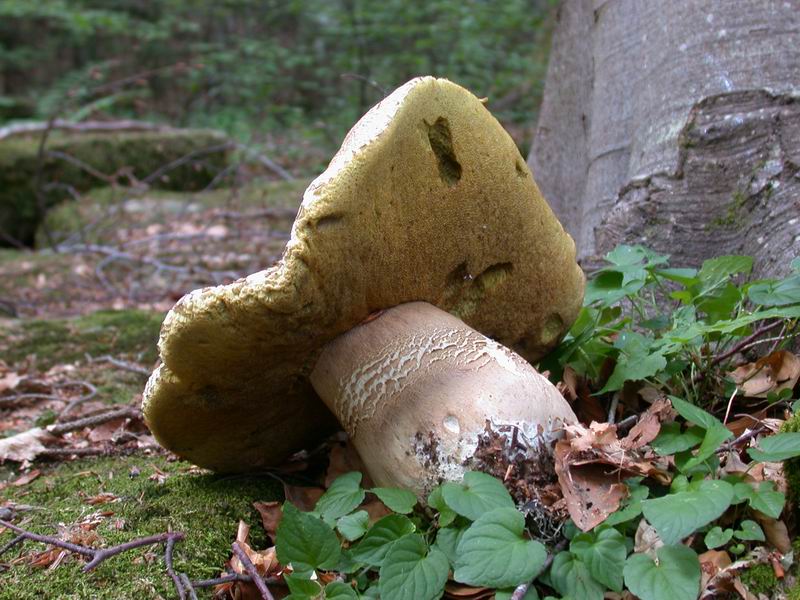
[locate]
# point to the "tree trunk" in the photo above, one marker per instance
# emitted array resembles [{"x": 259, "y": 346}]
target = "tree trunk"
[{"x": 675, "y": 124}]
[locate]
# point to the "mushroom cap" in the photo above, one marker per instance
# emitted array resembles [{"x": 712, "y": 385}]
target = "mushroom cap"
[{"x": 428, "y": 199}]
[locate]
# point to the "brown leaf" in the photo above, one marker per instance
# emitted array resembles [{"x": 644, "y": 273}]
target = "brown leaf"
[
  {"x": 772, "y": 373},
  {"x": 26, "y": 478},
  {"x": 711, "y": 563},
  {"x": 105, "y": 431},
  {"x": 304, "y": 498},
  {"x": 343, "y": 459},
  {"x": 461, "y": 591},
  {"x": 9, "y": 381},
  {"x": 23, "y": 446},
  {"x": 271, "y": 514},
  {"x": 590, "y": 492},
  {"x": 649, "y": 424},
  {"x": 102, "y": 498},
  {"x": 646, "y": 539},
  {"x": 776, "y": 532}
]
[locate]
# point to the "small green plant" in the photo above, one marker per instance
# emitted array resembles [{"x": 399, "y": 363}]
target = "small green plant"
[{"x": 675, "y": 330}]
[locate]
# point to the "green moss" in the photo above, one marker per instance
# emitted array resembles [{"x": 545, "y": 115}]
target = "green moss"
[
  {"x": 734, "y": 212},
  {"x": 140, "y": 154},
  {"x": 207, "y": 508},
  {"x": 760, "y": 579},
  {"x": 132, "y": 333},
  {"x": 133, "y": 206}
]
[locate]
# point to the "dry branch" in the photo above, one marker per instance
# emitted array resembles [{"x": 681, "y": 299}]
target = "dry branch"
[{"x": 83, "y": 127}]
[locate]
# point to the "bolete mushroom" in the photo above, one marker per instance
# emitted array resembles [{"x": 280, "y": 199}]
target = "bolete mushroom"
[{"x": 428, "y": 200}]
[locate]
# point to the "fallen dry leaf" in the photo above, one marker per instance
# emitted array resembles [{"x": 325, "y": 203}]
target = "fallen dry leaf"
[
  {"x": 646, "y": 539},
  {"x": 26, "y": 478},
  {"x": 711, "y": 563},
  {"x": 649, "y": 425},
  {"x": 23, "y": 446},
  {"x": 772, "y": 373},
  {"x": 343, "y": 459},
  {"x": 9, "y": 381},
  {"x": 271, "y": 514},
  {"x": 461, "y": 591},
  {"x": 776, "y": 532},
  {"x": 304, "y": 498},
  {"x": 591, "y": 493}
]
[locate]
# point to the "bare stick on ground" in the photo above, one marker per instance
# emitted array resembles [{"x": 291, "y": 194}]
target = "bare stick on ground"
[{"x": 251, "y": 570}]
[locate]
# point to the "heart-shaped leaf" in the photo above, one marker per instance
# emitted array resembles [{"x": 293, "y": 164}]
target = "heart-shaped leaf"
[
  {"x": 306, "y": 541},
  {"x": 675, "y": 577},
  {"x": 603, "y": 552},
  {"x": 477, "y": 494},
  {"x": 412, "y": 571},
  {"x": 493, "y": 553},
  {"x": 677, "y": 515},
  {"x": 373, "y": 547}
]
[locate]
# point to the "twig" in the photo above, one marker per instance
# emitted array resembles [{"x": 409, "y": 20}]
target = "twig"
[
  {"x": 627, "y": 423},
  {"x": 85, "y": 126},
  {"x": 204, "y": 583},
  {"x": 179, "y": 587},
  {"x": 742, "y": 344},
  {"x": 187, "y": 584},
  {"x": 612, "y": 409},
  {"x": 742, "y": 439},
  {"x": 92, "y": 392},
  {"x": 251, "y": 570},
  {"x": 103, "y": 554},
  {"x": 62, "y": 428},
  {"x": 121, "y": 364}
]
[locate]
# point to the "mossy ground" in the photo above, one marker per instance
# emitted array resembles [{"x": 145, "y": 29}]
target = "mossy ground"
[{"x": 204, "y": 506}]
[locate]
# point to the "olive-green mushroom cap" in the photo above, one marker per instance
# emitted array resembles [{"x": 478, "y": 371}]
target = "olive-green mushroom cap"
[{"x": 428, "y": 199}]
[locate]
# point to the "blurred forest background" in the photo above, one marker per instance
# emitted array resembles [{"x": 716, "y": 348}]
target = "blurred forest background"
[{"x": 290, "y": 74}]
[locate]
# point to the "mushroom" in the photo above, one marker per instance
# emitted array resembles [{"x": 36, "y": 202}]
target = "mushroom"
[
  {"x": 428, "y": 200},
  {"x": 415, "y": 388}
]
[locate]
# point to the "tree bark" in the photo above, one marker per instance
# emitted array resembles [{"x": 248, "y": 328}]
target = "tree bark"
[{"x": 675, "y": 125}]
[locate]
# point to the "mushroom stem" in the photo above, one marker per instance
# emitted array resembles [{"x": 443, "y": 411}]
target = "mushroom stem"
[{"x": 415, "y": 388}]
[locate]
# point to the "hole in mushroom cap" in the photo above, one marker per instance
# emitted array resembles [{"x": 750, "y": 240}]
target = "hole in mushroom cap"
[
  {"x": 464, "y": 291},
  {"x": 327, "y": 221},
  {"x": 552, "y": 329},
  {"x": 520, "y": 168},
  {"x": 451, "y": 424},
  {"x": 441, "y": 141}
]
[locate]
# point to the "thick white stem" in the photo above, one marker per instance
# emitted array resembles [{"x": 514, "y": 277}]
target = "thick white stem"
[{"x": 415, "y": 387}]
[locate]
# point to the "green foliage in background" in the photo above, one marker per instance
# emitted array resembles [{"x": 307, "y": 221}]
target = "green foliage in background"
[{"x": 317, "y": 64}]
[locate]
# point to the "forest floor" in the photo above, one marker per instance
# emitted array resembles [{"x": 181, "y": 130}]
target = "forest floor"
[{"x": 78, "y": 333}]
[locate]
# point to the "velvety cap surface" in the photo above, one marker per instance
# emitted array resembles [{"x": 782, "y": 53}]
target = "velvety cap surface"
[{"x": 428, "y": 199}]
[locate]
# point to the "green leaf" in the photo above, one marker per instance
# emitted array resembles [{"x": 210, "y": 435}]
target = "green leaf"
[
  {"x": 376, "y": 543},
  {"x": 477, "y": 494},
  {"x": 436, "y": 501},
  {"x": 675, "y": 577},
  {"x": 675, "y": 516},
  {"x": 603, "y": 552},
  {"x": 632, "y": 508},
  {"x": 717, "y": 537},
  {"x": 411, "y": 571},
  {"x": 396, "y": 500},
  {"x": 301, "y": 586},
  {"x": 571, "y": 578},
  {"x": 343, "y": 497},
  {"x": 672, "y": 439},
  {"x": 765, "y": 498},
  {"x": 306, "y": 541},
  {"x": 493, "y": 553},
  {"x": 775, "y": 293},
  {"x": 749, "y": 531},
  {"x": 776, "y": 448},
  {"x": 694, "y": 414},
  {"x": 353, "y": 526},
  {"x": 716, "y": 270},
  {"x": 447, "y": 541},
  {"x": 711, "y": 441},
  {"x": 338, "y": 590},
  {"x": 638, "y": 359}
]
